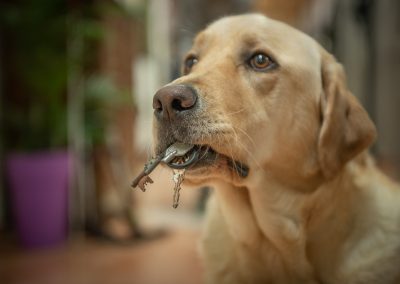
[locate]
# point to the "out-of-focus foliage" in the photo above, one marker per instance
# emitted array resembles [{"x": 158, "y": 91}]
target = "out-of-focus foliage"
[
  {"x": 35, "y": 36},
  {"x": 48, "y": 46},
  {"x": 101, "y": 96}
]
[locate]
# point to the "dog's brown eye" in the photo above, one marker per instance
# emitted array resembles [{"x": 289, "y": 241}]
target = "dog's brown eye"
[
  {"x": 260, "y": 62},
  {"x": 189, "y": 62}
]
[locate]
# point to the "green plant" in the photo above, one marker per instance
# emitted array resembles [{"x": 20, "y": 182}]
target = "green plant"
[
  {"x": 48, "y": 45},
  {"x": 35, "y": 63},
  {"x": 101, "y": 97}
]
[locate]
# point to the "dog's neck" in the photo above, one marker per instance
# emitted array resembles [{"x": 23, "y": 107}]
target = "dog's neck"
[{"x": 272, "y": 213}]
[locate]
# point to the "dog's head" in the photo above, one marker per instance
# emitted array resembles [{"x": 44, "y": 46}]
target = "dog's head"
[{"x": 257, "y": 95}]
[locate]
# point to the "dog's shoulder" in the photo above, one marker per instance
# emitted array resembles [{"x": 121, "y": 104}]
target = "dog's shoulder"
[{"x": 375, "y": 235}]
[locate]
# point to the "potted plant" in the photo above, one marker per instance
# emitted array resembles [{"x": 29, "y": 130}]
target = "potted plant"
[
  {"x": 47, "y": 46},
  {"x": 34, "y": 60}
]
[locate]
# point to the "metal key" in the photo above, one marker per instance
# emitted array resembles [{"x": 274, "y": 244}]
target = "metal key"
[
  {"x": 178, "y": 178},
  {"x": 176, "y": 149},
  {"x": 143, "y": 178}
]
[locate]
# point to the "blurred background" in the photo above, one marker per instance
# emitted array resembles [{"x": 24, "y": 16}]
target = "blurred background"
[{"x": 76, "y": 85}]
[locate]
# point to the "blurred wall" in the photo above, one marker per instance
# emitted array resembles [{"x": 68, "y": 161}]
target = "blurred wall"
[{"x": 387, "y": 70}]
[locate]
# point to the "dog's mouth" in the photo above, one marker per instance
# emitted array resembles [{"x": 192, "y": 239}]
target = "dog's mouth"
[{"x": 193, "y": 157}]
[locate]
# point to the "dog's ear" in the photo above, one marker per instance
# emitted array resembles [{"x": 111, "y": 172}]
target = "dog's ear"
[{"x": 346, "y": 128}]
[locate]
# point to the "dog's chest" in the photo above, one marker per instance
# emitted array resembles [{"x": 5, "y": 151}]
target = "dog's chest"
[{"x": 235, "y": 247}]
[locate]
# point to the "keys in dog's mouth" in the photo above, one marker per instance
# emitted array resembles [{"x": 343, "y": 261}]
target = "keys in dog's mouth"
[
  {"x": 178, "y": 156},
  {"x": 181, "y": 156}
]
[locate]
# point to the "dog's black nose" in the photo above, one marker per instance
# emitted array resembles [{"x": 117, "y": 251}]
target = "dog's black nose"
[{"x": 173, "y": 100}]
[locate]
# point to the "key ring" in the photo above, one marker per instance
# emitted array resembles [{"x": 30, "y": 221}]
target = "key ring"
[{"x": 194, "y": 157}]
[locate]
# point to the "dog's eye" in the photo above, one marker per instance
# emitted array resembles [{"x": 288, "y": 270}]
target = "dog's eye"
[
  {"x": 260, "y": 62},
  {"x": 189, "y": 62}
]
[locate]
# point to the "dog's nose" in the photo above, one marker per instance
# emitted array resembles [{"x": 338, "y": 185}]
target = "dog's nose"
[{"x": 173, "y": 100}]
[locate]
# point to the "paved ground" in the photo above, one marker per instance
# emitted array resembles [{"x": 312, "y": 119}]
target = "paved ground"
[{"x": 172, "y": 259}]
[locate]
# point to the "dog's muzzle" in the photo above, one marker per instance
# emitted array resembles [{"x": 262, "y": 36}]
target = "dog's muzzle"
[{"x": 176, "y": 109}]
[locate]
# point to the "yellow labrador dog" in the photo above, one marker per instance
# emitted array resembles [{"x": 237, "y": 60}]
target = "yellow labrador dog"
[{"x": 273, "y": 128}]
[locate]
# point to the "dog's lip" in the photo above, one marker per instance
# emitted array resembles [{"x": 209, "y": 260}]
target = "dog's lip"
[{"x": 204, "y": 155}]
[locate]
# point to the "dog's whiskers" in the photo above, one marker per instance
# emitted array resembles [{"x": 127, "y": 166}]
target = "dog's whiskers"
[
  {"x": 247, "y": 135},
  {"x": 239, "y": 111},
  {"x": 236, "y": 112},
  {"x": 242, "y": 146}
]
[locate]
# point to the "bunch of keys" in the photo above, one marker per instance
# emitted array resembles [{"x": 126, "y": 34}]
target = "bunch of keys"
[{"x": 175, "y": 150}]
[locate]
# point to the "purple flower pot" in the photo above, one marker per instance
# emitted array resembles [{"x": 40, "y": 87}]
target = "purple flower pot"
[{"x": 39, "y": 197}]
